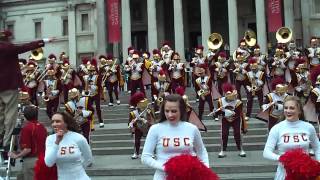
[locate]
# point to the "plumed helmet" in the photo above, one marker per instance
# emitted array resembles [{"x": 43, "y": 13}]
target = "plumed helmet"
[
  {"x": 24, "y": 93},
  {"x": 73, "y": 93},
  {"x": 229, "y": 91},
  {"x": 162, "y": 75},
  {"x": 136, "y": 98},
  {"x": 52, "y": 57}
]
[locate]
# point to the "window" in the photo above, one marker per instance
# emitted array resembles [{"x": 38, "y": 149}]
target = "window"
[
  {"x": 10, "y": 27},
  {"x": 316, "y": 6},
  {"x": 37, "y": 29},
  {"x": 84, "y": 22},
  {"x": 65, "y": 29}
]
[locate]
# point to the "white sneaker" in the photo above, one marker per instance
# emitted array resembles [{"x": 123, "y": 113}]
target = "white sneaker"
[
  {"x": 110, "y": 104},
  {"x": 131, "y": 107},
  {"x": 197, "y": 100},
  {"x": 216, "y": 119},
  {"x": 222, "y": 154},
  {"x": 242, "y": 153},
  {"x": 134, "y": 156},
  {"x": 129, "y": 92},
  {"x": 311, "y": 152},
  {"x": 118, "y": 102},
  {"x": 101, "y": 125}
]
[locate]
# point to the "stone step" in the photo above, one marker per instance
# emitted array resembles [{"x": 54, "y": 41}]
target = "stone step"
[
  {"x": 211, "y": 125},
  {"x": 232, "y": 169},
  {"x": 209, "y": 133},
  {"x": 210, "y": 148},
  {"x": 235, "y": 176},
  {"x": 206, "y": 140}
]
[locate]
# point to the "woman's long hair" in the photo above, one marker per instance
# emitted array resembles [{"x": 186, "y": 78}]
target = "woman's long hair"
[
  {"x": 71, "y": 123},
  {"x": 182, "y": 107},
  {"x": 298, "y": 104}
]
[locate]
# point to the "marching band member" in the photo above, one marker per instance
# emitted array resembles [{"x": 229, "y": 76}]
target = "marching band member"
[
  {"x": 315, "y": 92},
  {"x": 135, "y": 69},
  {"x": 221, "y": 68},
  {"x": 52, "y": 90},
  {"x": 82, "y": 111},
  {"x": 231, "y": 109},
  {"x": 68, "y": 78},
  {"x": 291, "y": 56},
  {"x": 31, "y": 82},
  {"x": 92, "y": 89},
  {"x": 303, "y": 82},
  {"x": 128, "y": 61},
  {"x": 243, "y": 49},
  {"x": 260, "y": 58},
  {"x": 241, "y": 67},
  {"x": 140, "y": 120},
  {"x": 155, "y": 68},
  {"x": 278, "y": 63},
  {"x": 176, "y": 70},
  {"x": 255, "y": 82},
  {"x": 53, "y": 64},
  {"x": 111, "y": 78},
  {"x": 195, "y": 62},
  {"x": 162, "y": 88},
  {"x": 204, "y": 84},
  {"x": 83, "y": 70},
  {"x": 273, "y": 103},
  {"x": 166, "y": 53},
  {"x": 314, "y": 52}
]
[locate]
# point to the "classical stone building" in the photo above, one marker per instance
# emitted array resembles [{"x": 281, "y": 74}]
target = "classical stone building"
[{"x": 81, "y": 28}]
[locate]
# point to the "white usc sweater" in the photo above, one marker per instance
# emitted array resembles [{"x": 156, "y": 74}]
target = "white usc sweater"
[
  {"x": 71, "y": 156},
  {"x": 288, "y": 135},
  {"x": 168, "y": 140}
]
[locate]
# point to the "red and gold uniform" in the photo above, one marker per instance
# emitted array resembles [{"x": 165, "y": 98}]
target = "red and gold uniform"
[
  {"x": 314, "y": 52},
  {"x": 255, "y": 82},
  {"x": 221, "y": 69},
  {"x": 243, "y": 50},
  {"x": 92, "y": 89},
  {"x": 198, "y": 60},
  {"x": 83, "y": 70},
  {"x": 260, "y": 58},
  {"x": 127, "y": 63},
  {"x": 81, "y": 109},
  {"x": 204, "y": 84},
  {"x": 69, "y": 78},
  {"x": 241, "y": 68},
  {"x": 31, "y": 81},
  {"x": 273, "y": 103},
  {"x": 166, "y": 53},
  {"x": 230, "y": 107},
  {"x": 135, "y": 69},
  {"x": 53, "y": 64},
  {"x": 162, "y": 88},
  {"x": 315, "y": 92},
  {"x": 51, "y": 93},
  {"x": 278, "y": 64},
  {"x": 176, "y": 70},
  {"x": 140, "y": 120},
  {"x": 302, "y": 78},
  {"x": 156, "y": 66}
]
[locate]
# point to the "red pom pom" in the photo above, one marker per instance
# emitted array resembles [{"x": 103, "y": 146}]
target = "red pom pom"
[
  {"x": 299, "y": 165},
  {"x": 180, "y": 90},
  {"x": 187, "y": 167},
  {"x": 42, "y": 171},
  {"x": 252, "y": 60},
  {"x": 227, "y": 87},
  {"x": 136, "y": 97}
]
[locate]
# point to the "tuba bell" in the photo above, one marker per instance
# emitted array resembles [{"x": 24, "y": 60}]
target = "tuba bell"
[
  {"x": 284, "y": 35},
  {"x": 214, "y": 41},
  {"x": 250, "y": 38},
  {"x": 37, "y": 54}
]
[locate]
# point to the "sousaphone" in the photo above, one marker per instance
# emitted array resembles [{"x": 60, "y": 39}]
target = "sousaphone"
[
  {"x": 250, "y": 38},
  {"x": 214, "y": 41},
  {"x": 284, "y": 35},
  {"x": 37, "y": 54}
]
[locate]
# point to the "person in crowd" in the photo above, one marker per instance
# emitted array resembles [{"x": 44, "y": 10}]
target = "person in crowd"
[
  {"x": 172, "y": 136},
  {"x": 11, "y": 79},
  {"x": 68, "y": 149},
  {"x": 32, "y": 142},
  {"x": 290, "y": 134}
]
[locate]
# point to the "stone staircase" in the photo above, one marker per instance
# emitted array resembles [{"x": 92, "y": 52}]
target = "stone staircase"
[{"x": 112, "y": 147}]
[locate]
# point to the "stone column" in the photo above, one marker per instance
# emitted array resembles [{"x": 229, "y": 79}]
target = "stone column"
[
  {"x": 178, "y": 28},
  {"x": 152, "y": 25},
  {"x": 72, "y": 35},
  {"x": 205, "y": 22},
  {"x": 288, "y": 14},
  {"x": 233, "y": 25},
  {"x": 261, "y": 25},
  {"x": 126, "y": 28},
  {"x": 305, "y": 14},
  {"x": 101, "y": 26}
]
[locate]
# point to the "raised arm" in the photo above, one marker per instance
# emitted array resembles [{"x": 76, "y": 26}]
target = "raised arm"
[{"x": 51, "y": 151}]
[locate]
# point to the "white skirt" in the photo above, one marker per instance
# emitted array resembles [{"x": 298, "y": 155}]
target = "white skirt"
[
  {"x": 281, "y": 173},
  {"x": 159, "y": 175}
]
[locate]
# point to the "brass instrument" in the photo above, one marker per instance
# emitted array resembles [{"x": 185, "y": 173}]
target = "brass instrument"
[
  {"x": 42, "y": 75},
  {"x": 109, "y": 71},
  {"x": 86, "y": 88},
  {"x": 250, "y": 38},
  {"x": 215, "y": 41},
  {"x": 29, "y": 76},
  {"x": 37, "y": 54},
  {"x": 317, "y": 52},
  {"x": 47, "y": 96},
  {"x": 65, "y": 75},
  {"x": 78, "y": 116},
  {"x": 138, "y": 117},
  {"x": 284, "y": 35}
]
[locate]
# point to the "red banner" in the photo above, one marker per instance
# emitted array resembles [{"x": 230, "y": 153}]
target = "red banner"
[
  {"x": 274, "y": 15},
  {"x": 113, "y": 21}
]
